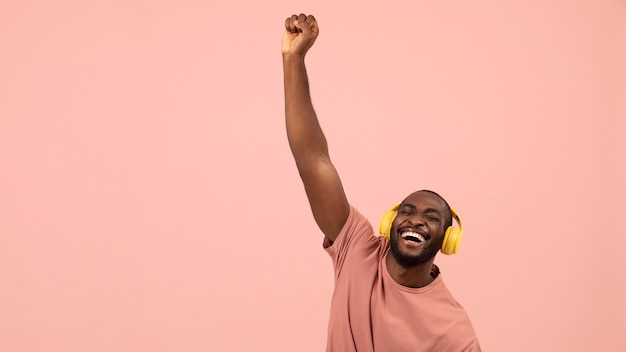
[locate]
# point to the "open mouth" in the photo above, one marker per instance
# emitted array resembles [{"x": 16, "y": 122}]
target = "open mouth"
[{"x": 413, "y": 236}]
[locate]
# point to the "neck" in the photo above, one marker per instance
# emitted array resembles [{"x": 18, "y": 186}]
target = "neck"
[{"x": 415, "y": 276}]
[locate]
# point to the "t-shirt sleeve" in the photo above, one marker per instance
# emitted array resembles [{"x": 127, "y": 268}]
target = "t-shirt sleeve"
[
  {"x": 357, "y": 230},
  {"x": 474, "y": 347}
]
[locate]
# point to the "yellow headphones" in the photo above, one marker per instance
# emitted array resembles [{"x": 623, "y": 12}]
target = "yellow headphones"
[{"x": 451, "y": 239}]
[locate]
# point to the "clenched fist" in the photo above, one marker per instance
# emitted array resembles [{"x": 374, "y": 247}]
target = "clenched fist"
[{"x": 300, "y": 34}]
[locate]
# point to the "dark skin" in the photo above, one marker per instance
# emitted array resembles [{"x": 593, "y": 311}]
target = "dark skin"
[
  {"x": 307, "y": 142},
  {"x": 321, "y": 180},
  {"x": 424, "y": 213}
]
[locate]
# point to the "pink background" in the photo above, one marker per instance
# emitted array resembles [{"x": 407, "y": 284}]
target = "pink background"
[{"x": 149, "y": 202}]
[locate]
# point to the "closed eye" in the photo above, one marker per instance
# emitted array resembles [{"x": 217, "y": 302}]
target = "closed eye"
[{"x": 433, "y": 218}]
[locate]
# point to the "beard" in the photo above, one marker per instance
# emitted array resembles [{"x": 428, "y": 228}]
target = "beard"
[{"x": 407, "y": 260}]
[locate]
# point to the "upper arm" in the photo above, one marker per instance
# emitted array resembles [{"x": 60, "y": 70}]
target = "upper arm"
[{"x": 326, "y": 195}]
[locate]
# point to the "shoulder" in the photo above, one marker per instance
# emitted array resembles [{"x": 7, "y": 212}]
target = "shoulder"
[
  {"x": 354, "y": 245},
  {"x": 356, "y": 228}
]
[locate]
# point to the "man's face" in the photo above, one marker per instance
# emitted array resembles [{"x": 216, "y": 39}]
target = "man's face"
[{"x": 417, "y": 232}]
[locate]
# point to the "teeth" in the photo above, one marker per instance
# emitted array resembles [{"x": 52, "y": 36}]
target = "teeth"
[{"x": 413, "y": 234}]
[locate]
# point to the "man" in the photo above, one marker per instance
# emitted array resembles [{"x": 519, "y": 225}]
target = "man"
[{"x": 389, "y": 296}]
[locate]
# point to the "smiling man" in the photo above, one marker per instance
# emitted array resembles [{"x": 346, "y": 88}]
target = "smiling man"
[{"x": 389, "y": 295}]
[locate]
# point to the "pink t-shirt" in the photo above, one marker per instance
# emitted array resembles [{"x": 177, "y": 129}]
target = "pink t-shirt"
[{"x": 371, "y": 312}]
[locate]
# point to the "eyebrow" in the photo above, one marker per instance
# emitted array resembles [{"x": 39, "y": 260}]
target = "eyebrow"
[{"x": 427, "y": 210}]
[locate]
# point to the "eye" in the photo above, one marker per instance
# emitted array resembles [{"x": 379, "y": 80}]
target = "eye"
[
  {"x": 433, "y": 218},
  {"x": 406, "y": 212}
]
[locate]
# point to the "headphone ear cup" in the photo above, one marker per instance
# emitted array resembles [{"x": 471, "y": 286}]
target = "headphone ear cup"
[
  {"x": 387, "y": 221},
  {"x": 451, "y": 241}
]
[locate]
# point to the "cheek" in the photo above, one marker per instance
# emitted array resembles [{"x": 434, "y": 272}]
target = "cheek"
[
  {"x": 435, "y": 228},
  {"x": 394, "y": 225}
]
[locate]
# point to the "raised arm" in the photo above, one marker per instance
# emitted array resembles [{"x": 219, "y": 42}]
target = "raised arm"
[{"x": 308, "y": 145}]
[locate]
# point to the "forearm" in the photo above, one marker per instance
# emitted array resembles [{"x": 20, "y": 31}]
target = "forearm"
[{"x": 306, "y": 139}]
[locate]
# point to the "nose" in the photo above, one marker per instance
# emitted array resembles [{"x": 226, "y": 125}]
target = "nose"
[{"x": 417, "y": 218}]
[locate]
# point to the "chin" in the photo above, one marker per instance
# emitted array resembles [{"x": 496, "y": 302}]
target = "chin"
[{"x": 408, "y": 260}]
